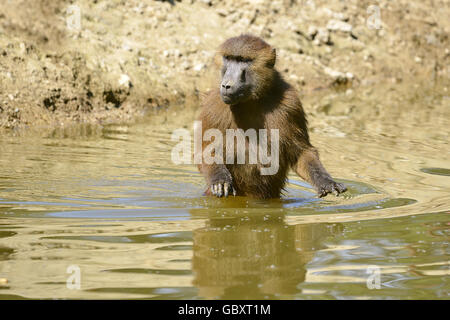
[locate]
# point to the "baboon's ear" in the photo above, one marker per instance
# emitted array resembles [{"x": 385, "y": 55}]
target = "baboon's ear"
[{"x": 273, "y": 58}]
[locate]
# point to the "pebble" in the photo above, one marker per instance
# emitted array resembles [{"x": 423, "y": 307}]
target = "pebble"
[
  {"x": 124, "y": 79},
  {"x": 337, "y": 25},
  {"x": 199, "y": 66},
  {"x": 323, "y": 36},
  {"x": 312, "y": 31}
]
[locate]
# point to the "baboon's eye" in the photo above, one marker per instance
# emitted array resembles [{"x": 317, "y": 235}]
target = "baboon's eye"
[
  {"x": 242, "y": 59},
  {"x": 243, "y": 76}
]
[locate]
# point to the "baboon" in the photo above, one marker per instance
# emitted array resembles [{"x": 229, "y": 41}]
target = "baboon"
[{"x": 253, "y": 95}]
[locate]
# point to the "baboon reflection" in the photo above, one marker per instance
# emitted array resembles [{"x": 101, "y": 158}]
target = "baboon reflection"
[{"x": 254, "y": 256}]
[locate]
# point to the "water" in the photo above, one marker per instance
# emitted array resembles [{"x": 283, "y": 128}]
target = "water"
[{"x": 109, "y": 202}]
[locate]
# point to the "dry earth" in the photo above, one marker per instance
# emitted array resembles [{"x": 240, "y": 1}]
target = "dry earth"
[{"x": 109, "y": 61}]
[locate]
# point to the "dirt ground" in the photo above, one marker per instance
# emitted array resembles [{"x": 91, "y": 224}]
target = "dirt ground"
[{"x": 110, "y": 61}]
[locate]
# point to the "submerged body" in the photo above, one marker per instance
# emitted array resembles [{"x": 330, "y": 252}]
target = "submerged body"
[{"x": 253, "y": 95}]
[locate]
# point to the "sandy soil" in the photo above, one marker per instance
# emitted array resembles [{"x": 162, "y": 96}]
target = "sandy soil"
[{"x": 109, "y": 61}]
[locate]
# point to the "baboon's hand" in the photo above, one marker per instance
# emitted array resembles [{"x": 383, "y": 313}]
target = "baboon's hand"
[
  {"x": 223, "y": 188},
  {"x": 330, "y": 186}
]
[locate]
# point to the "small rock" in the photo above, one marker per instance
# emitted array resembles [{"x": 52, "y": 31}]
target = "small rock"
[
  {"x": 312, "y": 32},
  {"x": 199, "y": 67},
  {"x": 22, "y": 48},
  {"x": 337, "y": 75},
  {"x": 431, "y": 39},
  {"x": 323, "y": 36},
  {"x": 222, "y": 12},
  {"x": 177, "y": 53},
  {"x": 124, "y": 80},
  {"x": 141, "y": 61},
  {"x": 337, "y": 25},
  {"x": 185, "y": 65}
]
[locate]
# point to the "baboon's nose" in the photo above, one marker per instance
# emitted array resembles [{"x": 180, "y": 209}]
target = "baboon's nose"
[{"x": 227, "y": 85}]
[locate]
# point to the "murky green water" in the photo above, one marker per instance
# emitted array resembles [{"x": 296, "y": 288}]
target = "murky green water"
[{"x": 112, "y": 204}]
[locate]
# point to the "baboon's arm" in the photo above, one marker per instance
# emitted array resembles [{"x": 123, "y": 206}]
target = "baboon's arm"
[{"x": 311, "y": 169}]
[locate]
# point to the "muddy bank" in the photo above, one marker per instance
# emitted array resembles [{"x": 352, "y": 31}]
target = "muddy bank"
[{"x": 100, "y": 62}]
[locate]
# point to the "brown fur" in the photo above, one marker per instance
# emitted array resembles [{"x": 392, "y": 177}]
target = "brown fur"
[{"x": 273, "y": 104}]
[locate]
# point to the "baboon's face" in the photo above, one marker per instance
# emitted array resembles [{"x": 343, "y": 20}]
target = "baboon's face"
[{"x": 237, "y": 80}]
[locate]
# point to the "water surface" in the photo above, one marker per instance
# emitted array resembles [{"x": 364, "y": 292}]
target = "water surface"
[{"x": 109, "y": 201}]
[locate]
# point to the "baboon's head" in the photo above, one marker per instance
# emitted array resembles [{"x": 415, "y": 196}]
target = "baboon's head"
[{"x": 247, "y": 68}]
